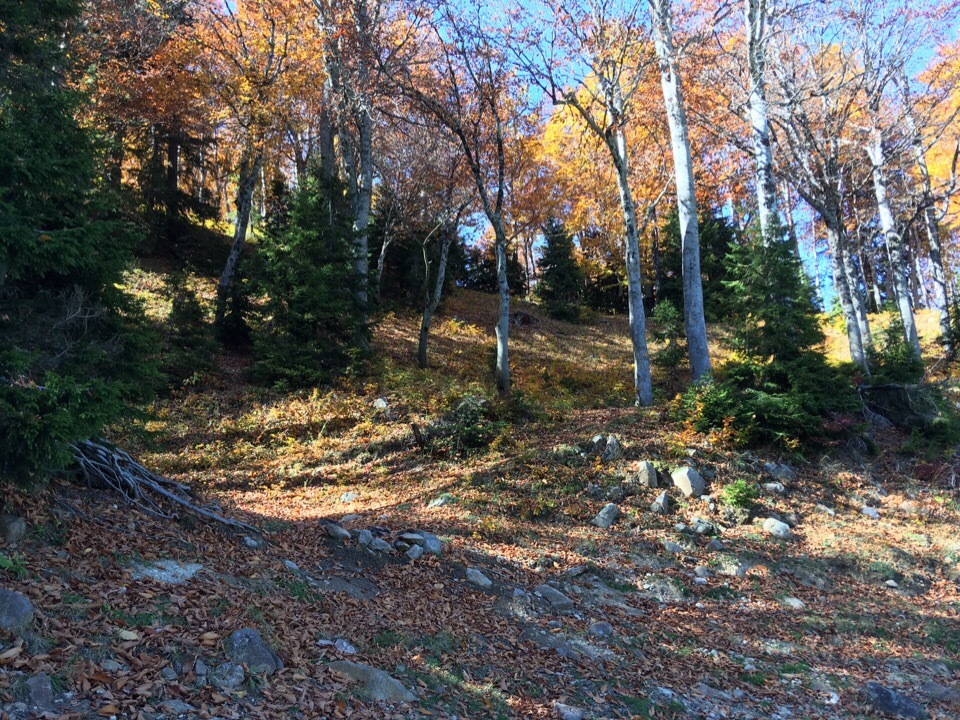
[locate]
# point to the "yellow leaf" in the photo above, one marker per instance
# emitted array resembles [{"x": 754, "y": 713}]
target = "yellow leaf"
[{"x": 128, "y": 635}]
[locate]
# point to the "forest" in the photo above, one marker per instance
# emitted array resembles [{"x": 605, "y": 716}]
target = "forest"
[{"x": 536, "y": 359}]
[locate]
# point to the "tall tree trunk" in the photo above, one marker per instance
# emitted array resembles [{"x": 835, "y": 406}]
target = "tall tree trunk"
[
  {"x": 756, "y": 16},
  {"x": 382, "y": 262},
  {"x": 694, "y": 321},
  {"x": 643, "y": 388},
  {"x": 249, "y": 171},
  {"x": 845, "y": 294},
  {"x": 432, "y": 301},
  {"x": 503, "y": 321},
  {"x": 364, "y": 201},
  {"x": 894, "y": 241}
]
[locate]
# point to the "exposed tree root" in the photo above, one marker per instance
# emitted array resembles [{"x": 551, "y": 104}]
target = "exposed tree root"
[{"x": 106, "y": 466}]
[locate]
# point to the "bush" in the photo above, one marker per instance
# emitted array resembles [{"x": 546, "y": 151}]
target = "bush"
[
  {"x": 739, "y": 494},
  {"x": 892, "y": 359},
  {"x": 667, "y": 326}
]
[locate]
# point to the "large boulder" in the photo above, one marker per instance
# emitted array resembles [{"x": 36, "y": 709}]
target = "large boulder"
[
  {"x": 16, "y": 611},
  {"x": 247, "y": 647},
  {"x": 607, "y": 517},
  {"x": 907, "y": 406},
  {"x": 778, "y": 529},
  {"x": 376, "y": 684},
  {"x": 168, "y": 572},
  {"x": 689, "y": 482},
  {"x": 892, "y": 703},
  {"x": 12, "y": 529},
  {"x": 646, "y": 475}
]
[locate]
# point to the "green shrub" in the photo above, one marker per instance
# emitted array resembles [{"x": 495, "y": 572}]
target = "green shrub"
[
  {"x": 561, "y": 284},
  {"x": 739, "y": 494},
  {"x": 667, "y": 327},
  {"x": 892, "y": 359}
]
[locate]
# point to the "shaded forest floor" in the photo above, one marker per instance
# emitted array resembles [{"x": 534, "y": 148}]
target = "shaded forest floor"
[{"x": 656, "y": 621}]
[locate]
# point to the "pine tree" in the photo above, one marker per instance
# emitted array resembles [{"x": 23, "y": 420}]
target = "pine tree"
[
  {"x": 561, "y": 284},
  {"x": 68, "y": 361}
]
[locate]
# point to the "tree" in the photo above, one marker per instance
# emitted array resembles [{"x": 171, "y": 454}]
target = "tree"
[
  {"x": 69, "y": 360},
  {"x": 693, "y": 315},
  {"x": 561, "y": 284}
]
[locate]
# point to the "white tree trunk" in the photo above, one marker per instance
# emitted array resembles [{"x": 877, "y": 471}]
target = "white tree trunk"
[
  {"x": 432, "y": 301},
  {"x": 643, "y": 388},
  {"x": 694, "y": 321},
  {"x": 894, "y": 241},
  {"x": 503, "y": 321},
  {"x": 364, "y": 201},
  {"x": 845, "y": 294},
  {"x": 756, "y": 16},
  {"x": 250, "y": 165}
]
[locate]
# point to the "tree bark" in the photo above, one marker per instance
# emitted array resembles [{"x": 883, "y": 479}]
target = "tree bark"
[
  {"x": 249, "y": 171},
  {"x": 756, "y": 16},
  {"x": 844, "y": 293},
  {"x": 894, "y": 241},
  {"x": 696, "y": 328},
  {"x": 432, "y": 301}
]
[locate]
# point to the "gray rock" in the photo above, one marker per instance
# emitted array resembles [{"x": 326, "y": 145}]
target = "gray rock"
[
  {"x": 792, "y": 602},
  {"x": 349, "y": 518},
  {"x": 365, "y": 537},
  {"x": 348, "y": 497},
  {"x": 175, "y": 707},
  {"x": 168, "y": 572},
  {"x": 890, "y": 702},
  {"x": 606, "y": 517},
  {"x": 380, "y": 545},
  {"x": 612, "y": 450},
  {"x": 682, "y": 528},
  {"x": 774, "y": 488},
  {"x": 554, "y": 597},
  {"x": 672, "y": 547},
  {"x": 701, "y": 571},
  {"x": 780, "y": 471},
  {"x": 291, "y": 566},
  {"x": 568, "y": 712},
  {"x": 337, "y": 532},
  {"x": 111, "y": 665},
  {"x": 376, "y": 684},
  {"x": 410, "y": 537},
  {"x": 200, "y": 668},
  {"x": 16, "y": 611},
  {"x": 440, "y": 501},
  {"x": 829, "y": 511},
  {"x": 715, "y": 546},
  {"x": 345, "y": 647},
  {"x": 415, "y": 552},
  {"x": 253, "y": 543},
  {"x": 227, "y": 676},
  {"x": 871, "y": 513},
  {"x": 688, "y": 481},
  {"x": 477, "y": 578},
  {"x": 702, "y": 527},
  {"x": 380, "y": 404},
  {"x": 941, "y": 693},
  {"x": 168, "y": 673},
  {"x": 778, "y": 529},
  {"x": 615, "y": 494},
  {"x": 646, "y": 475},
  {"x": 432, "y": 544},
  {"x": 12, "y": 529},
  {"x": 600, "y": 629},
  {"x": 41, "y": 691},
  {"x": 663, "y": 505},
  {"x": 247, "y": 647}
]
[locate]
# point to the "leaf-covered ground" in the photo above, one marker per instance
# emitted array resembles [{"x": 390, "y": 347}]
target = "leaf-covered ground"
[{"x": 760, "y": 628}]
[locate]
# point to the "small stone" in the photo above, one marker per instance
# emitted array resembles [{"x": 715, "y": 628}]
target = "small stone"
[
  {"x": 682, "y": 528},
  {"x": 554, "y": 597},
  {"x": 892, "y": 584},
  {"x": 688, "y": 481},
  {"x": 168, "y": 673},
  {"x": 247, "y": 647},
  {"x": 110, "y": 665},
  {"x": 348, "y": 497},
  {"x": 702, "y": 527},
  {"x": 662, "y": 505},
  {"x": 795, "y": 603},
  {"x": 701, "y": 571},
  {"x": 778, "y": 529},
  {"x": 377, "y": 684},
  {"x": 826, "y": 510},
  {"x": 774, "y": 488},
  {"x": 291, "y": 566},
  {"x": 477, "y": 578},
  {"x": 890, "y": 702},
  {"x": 200, "y": 667},
  {"x": 615, "y": 494},
  {"x": 646, "y": 475},
  {"x": 349, "y": 518},
  {"x": 168, "y": 572},
  {"x": 607, "y": 517},
  {"x": 871, "y": 513},
  {"x": 672, "y": 547},
  {"x": 780, "y": 471},
  {"x": 253, "y": 543},
  {"x": 380, "y": 404},
  {"x": 175, "y": 707},
  {"x": 16, "y": 611},
  {"x": 415, "y": 552},
  {"x": 345, "y": 647},
  {"x": 227, "y": 676},
  {"x": 337, "y": 532},
  {"x": 568, "y": 712},
  {"x": 432, "y": 544},
  {"x": 12, "y": 529},
  {"x": 445, "y": 499},
  {"x": 379, "y": 545},
  {"x": 365, "y": 537},
  {"x": 411, "y": 537},
  {"x": 41, "y": 691},
  {"x": 600, "y": 629},
  {"x": 715, "y": 545}
]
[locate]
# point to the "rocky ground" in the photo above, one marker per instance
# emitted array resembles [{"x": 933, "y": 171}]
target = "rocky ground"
[{"x": 585, "y": 564}]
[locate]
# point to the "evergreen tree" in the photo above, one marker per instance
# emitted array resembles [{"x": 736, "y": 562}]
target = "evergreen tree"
[
  {"x": 68, "y": 363},
  {"x": 561, "y": 284},
  {"x": 313, "y": 322},
  {"x": 480, "y": 270}
]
